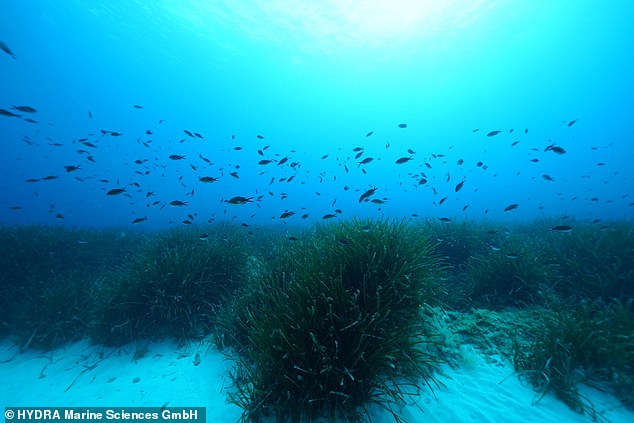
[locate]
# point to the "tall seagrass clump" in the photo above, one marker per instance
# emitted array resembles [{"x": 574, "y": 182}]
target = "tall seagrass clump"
[
  {"x": 334, "y": 323},
  {"x": 589, "y": 342},
  {"x": 170, "y": 288},
  {"x": 48, "y": 275}
]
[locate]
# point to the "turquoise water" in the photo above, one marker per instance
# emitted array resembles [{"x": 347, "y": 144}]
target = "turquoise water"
[{"x": 313, "y": 80}]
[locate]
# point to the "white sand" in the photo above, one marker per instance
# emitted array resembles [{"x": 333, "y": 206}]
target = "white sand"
[{"x": 85, "y": 375}]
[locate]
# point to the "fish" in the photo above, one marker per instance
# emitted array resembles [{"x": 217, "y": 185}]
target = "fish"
[
  {"x": 239, "y": 200},
  {"x": 282, "y": 161},
  {"x": 203, "y": 237},
  {"x": 460, "y": 162},
  {"x": 24, "y": 109},
  {"x": 7, "y": 50},
  {"x": 511, "y": 207},
  {"x": 139, "y": 220},
  {"x": 555, "y": 149},
  {"x": 366, "y": 161},
  {"x": 369, "y": 133},
  {"x": 71, "y": 168},
  {"x": 402, "y": 125},
  {"x": 176, "y": 157},
  {"x": 264, "y": 162},
  {"x": 188, "y": 133},
  {"x": 444, "y": 219},
  {"x": 286, "y": 214},
  {"x": 116, "y": 191},
  {"x": 8, "y": 113},
  {"x": 572, "y": 122},
  {"x": 547, "y": 177},
  {"x": 561, "y": 228},
  {"x": 493, "y": 133},
  {"x": 459, "y": 185},
  {"x": 403, "y": 160},
  {"x": 178, "y": 203},
  {"x": 207, "y": 179},
  {"x": 442, "y": 200},
  {"x": 328, "y": 216},
  {"x": 136, "y": 106},
  {"x": 260, "y": 137},
  {"x": 367, "y": 194}
]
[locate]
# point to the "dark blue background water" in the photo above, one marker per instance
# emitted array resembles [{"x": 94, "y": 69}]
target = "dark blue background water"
[{"x": 313, "y": 78}]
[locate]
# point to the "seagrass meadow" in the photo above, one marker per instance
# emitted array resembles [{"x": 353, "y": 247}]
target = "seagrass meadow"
[{"x": 323, "y": 322}]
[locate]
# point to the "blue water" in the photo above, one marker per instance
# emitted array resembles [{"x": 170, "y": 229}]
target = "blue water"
[{"x": 313, "y": 78}]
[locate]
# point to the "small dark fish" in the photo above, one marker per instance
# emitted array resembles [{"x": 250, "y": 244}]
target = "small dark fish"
[
  {"x": 534, "y": 160},
  {"x": 264, "y": 162},
  {"x": 286, "y": 214},
  {"x": 367, "y": 194},
  {"x": 136, "y": 106},
  {"x": 49, "y": 178},
  {"x": 369, "y": 133},
  {"x": 260, "y": 137},
  {"x": 328, "y": 216},
  {"x": 176, "y": 157},
  {"x": 547, "y": 177},
  {"x": 139, "y": 220},
  {"x": 459, "y": 186},
  {"x": 7, "y": 50},
  {"x": 282, "y": 161},
  {"x": 24, "y": 109},
  {"x": 178, "y": 203},
  {"x": 402, "y": 125},
  {"x": 460, "y": 161},
  {"x": 189, "y": 133},
  {"x": 239, "y": 200},
  {"x": 493, "y": 133},
  {"x": 442, "y": 200},
  {"x": 475, "y": 130},
  {"x": 410, "y": 151},
  {"x": 116, "y": 191},
  {"x": 203, "y": 237},
  {"x": 237, "y": 148},
  {"x": 235, "y": 175},
  {"x": 365, "y": 161},
  {"x": 8, "y": 113},
  {"x": 207, "y": 179},
  {"x": 71, "y": 168},
  {"x": 444, "y": 219},
  {"x": 511, "y": 207},
  {"x": 572, "y": 122},
  {"x": 561, "y": 228},
  {"x": 403, "y": 160},
  {"x": 514, "y": 143},
  {"x": 555, "y": 149}
]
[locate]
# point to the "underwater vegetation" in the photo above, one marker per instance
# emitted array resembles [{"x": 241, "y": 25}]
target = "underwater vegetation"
[
  {"x": 334, "y": 323},
  {"x": 590, "y": 342},
  {"x": 47, "y": 279},
  {"x": 323, "y": 321},
  {"x": 170, "y": 287}
]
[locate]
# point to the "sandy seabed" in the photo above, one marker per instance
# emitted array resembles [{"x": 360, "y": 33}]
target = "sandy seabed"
[{"x": 485, "y": 389}]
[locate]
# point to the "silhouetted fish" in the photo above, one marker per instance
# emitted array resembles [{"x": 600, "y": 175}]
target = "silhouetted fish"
[{"x": 7, "y": 50}]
